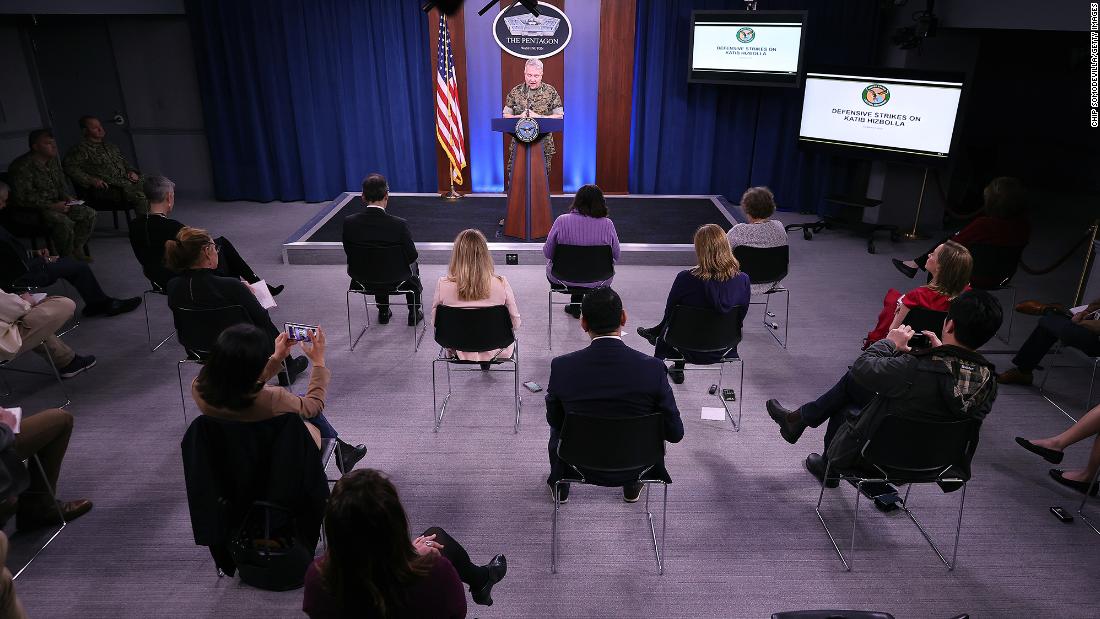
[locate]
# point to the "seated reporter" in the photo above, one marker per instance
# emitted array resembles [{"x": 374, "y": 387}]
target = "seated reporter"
[
  {"x": 715, "y": 283},
  {"x": 371, "y": 569},
  {"x": 472, "y": 282},
  {"x": 149, "y": 232},
  {"x": 950, "y": 265},
  {"x": 233, "y": 384},
  {"x": 38, "y": 268},
  {"x": 1080, "y": 331},
  {"x": 1050, "y": 449},
  {"x": 25, "y": 324},
  {"x": 758, "y": 204},
  {"x": 948, "y": 381},
  {"x": 193, "y": 255},
  {"x": 587, "y": 223}
]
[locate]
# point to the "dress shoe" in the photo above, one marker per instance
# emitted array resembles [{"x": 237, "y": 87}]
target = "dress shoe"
[
  {"x": 563, "y": 493},
  {"x": 650, "y": 335},
  {"x": 384, "y": 316},
  {"x": 1038, "y": 308},
  {"x": 573, "y": 309},
  {"x": 905, "y": 269},
  {"x": 1050, "y": 455},
  {"x": 70, "y": 510},
  {"x": 275, "y": 290},
  {"x": 816, "y": 465},
  {"x": 416, "y": 318},
  {"x": 121, "y": 306},
  {"x": 498, "y": 567},
  {"x": 676, "y": 372},
  {"x": 1015, "y": 376},
  {"x": 789, "y": 430},
  {"x": 347, "y": 456},
  {"x": 632, "y": 493},
  {"x": 1079, "y": 486}
]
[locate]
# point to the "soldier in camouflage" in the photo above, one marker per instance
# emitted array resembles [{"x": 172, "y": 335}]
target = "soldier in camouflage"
[
  {"x": 533, "y": 99},
  {"x": 37, "y": 183},
  {"x": 99, "y": 169}
]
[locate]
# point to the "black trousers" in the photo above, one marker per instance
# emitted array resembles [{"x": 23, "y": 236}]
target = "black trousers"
[
  {"x": 1053, "y": 328},
  {"x": 231, "y": 264},
  {"x": 834, "y": 406},
  {"x": 79, "y": 274},
  {"x": 411, "y": 298},
  {"x": 473, "y": 575}
]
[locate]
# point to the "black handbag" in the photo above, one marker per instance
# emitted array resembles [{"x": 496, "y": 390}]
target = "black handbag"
[{"x": 267, "y": 550}]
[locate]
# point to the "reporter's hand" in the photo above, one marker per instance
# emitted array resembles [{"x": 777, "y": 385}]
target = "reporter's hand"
[
  {"x": 7, "y": 418},
  {"x": 98, "y": 184},
  {"x": 900, "y": 337},
  {"x": 60, "y": 207},
  {"x": 315, "y": 348},
  {"x": 932, "y": 337},
  {"x": 283, "y": 344},
  {"x": 26, "y": 296},
  {"x": 426, "y": 544},
  {"x": 133, "y": 176},
  {"x": 1079, "y": 316}
]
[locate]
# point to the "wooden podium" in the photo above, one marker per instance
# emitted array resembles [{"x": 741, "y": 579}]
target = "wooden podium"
[{"x": 528, "y": 215}]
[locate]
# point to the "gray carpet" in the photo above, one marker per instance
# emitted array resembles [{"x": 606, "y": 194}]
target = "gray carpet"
[{"x": 743, "y": 540}]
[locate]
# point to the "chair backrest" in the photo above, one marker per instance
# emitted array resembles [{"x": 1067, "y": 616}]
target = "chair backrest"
[
  {"x": 384, "y": 265},
  {"x": 473, "y": 329},
  {"x": 612, "y": 444},
  {"x": 582, "y": 263},
  {"x": 924, "y": 319},
  {"x": 764, "y": 265},
  {"x": 701, "y": 329},
  {"x": 994, "y": 265},
  {"x": 916, "y": 449},
  {"x": 198, "y": 328}
]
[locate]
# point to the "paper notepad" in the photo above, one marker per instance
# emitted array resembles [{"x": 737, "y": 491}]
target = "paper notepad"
[
  {"x": 263, "y": 295},
  {"x": 711, "y": 413},
  {"x": 18, "y": 412},
  {"x": 38, "y": 297},
  {"x": 1081, "y": 308}
]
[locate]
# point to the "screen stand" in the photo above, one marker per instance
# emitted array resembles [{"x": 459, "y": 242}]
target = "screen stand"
[{"x": 913, "y": 235}]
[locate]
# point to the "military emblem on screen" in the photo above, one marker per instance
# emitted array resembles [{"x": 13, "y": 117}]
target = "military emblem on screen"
[
  {"x": 746, "y": 35},
  {"x": 527, "y": 129},
  {"x": 876, "y": 95}
]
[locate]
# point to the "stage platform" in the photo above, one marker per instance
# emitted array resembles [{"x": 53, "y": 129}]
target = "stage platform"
[{"x": 652, "y": 229}]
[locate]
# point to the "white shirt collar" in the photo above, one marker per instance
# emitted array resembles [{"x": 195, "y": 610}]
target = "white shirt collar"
[
  {"x": 601, "y": 337},
  {"x": 376, "y": 206}
]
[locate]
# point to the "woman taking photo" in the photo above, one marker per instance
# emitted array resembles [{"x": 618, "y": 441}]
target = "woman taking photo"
[
  {"x": 371, "y": 569},
  {"x": 472, "y": 282},
  {"x": 233, "y": 385},
  {"x": 715, "y": 283},
  {"x": 585, "y": 224}
]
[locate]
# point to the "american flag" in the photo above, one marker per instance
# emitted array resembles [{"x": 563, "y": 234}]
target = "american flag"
[{"x": 448, "y": 118}]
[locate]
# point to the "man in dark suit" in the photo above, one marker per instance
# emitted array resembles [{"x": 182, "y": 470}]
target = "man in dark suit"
[
  {"x": 374, "y": 227},
  {"x": 18, "y": 267},
  {"x": 149, "y": 232},
  {"x": 608, "y": 378}
]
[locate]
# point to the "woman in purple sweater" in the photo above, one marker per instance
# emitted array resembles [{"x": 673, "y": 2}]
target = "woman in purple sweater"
[
  {"x": 715, "y": 283},
  {"x": 586, "y": 224},
  {"x": 372, "y": 570}
]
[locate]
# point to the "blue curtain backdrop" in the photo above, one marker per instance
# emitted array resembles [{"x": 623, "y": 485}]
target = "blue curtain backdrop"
[
  {"x": 709, "y": 138},
  {"x": 303, "y": 99}
]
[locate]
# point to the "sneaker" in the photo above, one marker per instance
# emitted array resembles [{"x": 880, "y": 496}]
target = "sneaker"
[
  {"x": 631, "y": 493},
  {"x": 76, "y": 366}
]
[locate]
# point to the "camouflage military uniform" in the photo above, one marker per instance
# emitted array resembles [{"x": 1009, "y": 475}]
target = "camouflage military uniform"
[
  {"x": 36, "y": 186},
  {"x": 543, "y": 100},
  {"x": 90, "y": 160}
]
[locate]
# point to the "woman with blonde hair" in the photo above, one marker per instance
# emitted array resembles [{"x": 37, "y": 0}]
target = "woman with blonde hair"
[
  {"x": 950, "y": 265},
  {"x": 471, "y": 281},
  {"x": 715, "y": 283}
]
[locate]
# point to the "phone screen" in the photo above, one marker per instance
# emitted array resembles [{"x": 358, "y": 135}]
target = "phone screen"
[{"x": 299, "y": 332}]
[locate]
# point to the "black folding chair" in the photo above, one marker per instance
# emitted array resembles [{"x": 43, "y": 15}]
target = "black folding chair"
[
  {"x": 104, "y": 204},
  {"x": 197, "y": 330},
  {"x": 994, "y": 268},
  {"x": 768, "y": 265},
  {"x": 578, "y": 264},
  {"x": 908, "y": 451},
  {"x": 631, "y": 448},
  {"x": 53, "y": 501},
  {"x": 154, "y": 289},
  {"x": 1084, "y": 499},
  {"x": 379, "y": 271},
  {"x": 696, "y": 329},
  {"x": 473, "y": 329},
  {"x": 924, "y": 319}
]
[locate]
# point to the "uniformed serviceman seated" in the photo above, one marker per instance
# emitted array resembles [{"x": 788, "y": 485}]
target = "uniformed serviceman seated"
[
  {"x": 98, "y": 168},
  {"x": 37, "y": 183}
]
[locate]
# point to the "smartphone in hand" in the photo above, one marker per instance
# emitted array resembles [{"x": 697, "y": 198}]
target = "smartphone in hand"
[{"x": 300, "y": 332}]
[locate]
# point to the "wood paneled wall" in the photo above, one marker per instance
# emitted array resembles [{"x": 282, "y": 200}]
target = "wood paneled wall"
[{"x": 616, "y": 92}]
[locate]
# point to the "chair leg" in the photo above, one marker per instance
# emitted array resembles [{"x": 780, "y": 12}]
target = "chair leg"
[
  {"x": 1084, "y": 500},
  {"x": 183, "y": 400},
  {"x": 114, "y": 214},
  {"x": 928, "y": 538},
  {"x": 772, "y": 326},
  {"x": 550, "y": 320},
  {"x": 658, "y": 550},
  {"x": 437, "y": 410},
  {"x": 519, "y": 402},
  {"x": 554, "y": 530},
  {"x": 148, "y": 326},
  {"x": 61, "y": 515},
  {"x": 829, "y": 532},
  {"x": 57, "y": 375}
]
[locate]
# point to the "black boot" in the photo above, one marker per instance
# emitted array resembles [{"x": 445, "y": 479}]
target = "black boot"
[
  {"x": 498, "y": 567},
  {"x": 347, "y": 456}
]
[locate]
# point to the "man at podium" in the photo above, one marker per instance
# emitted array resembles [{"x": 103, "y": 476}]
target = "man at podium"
[{"x": 533, "y": 99}]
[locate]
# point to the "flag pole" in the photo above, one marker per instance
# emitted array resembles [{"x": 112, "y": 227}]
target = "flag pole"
[{"x": 452, "y": 194}]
